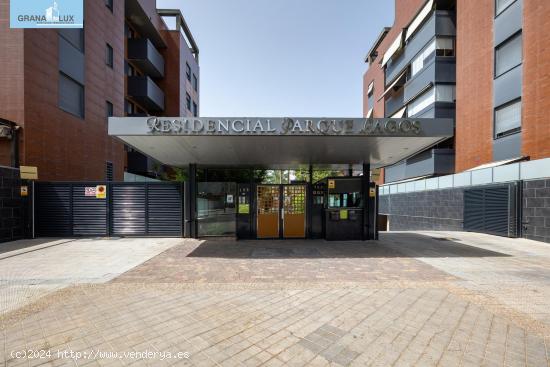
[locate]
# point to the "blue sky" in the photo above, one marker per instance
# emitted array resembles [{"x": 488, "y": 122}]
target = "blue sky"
[{"x": 271, "y": 58}]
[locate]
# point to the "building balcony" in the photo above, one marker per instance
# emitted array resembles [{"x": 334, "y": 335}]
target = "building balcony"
[
  {"x": 142, "y": 15},
  {"x": 432, "y": 162},
  {"x": 144, "y": 91},
  {"x": 143, "y": 54}
]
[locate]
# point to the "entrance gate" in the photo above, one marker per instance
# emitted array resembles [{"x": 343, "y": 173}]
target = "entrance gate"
[
  {"x": 73, "y": 209},
  {"x": 281, "y": 211}
]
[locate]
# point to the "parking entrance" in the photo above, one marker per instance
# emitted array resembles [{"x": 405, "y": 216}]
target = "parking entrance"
[{"x": 74, "y": 209}]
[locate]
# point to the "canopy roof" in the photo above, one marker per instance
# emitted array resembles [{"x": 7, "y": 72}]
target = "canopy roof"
[{"x": 279, "y": 142}]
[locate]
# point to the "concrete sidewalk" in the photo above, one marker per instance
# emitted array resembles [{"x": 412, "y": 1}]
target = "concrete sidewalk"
[{"x": 37, "y": 267}]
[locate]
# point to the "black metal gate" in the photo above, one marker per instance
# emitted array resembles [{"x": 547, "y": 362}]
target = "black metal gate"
[
  {"x": 66, "y": 209},
  {"x": 493, "y": 209}
]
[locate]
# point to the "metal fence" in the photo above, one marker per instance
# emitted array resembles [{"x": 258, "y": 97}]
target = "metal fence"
[{"x": 128, "y": 209}]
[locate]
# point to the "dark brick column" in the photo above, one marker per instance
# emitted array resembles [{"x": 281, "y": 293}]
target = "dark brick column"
[
  {"x": 536, "y": 210},
  {"x": 12, "y": 206}
]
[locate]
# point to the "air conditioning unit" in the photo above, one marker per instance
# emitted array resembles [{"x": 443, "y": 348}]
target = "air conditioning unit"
[{"x": 5, "y": 132}]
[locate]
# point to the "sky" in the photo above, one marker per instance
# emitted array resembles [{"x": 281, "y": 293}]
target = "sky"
[{"x": 274, "y": 58}]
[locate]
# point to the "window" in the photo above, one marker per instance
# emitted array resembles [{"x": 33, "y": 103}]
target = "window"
[
  {"x": 129, "y": 108},
  {"x": 188, "y": 101},
  {"x": 439, "y": 93},
  {"x": 108, "y": 109},
  {"x": 508, "y": 119},
  {"x": 421, "y": 102},
  {"x": 71, "y": 96},
  {"x": 109, "y": 5},
  {"x": 444, "y": 46},
  {"x": 195, "y": 83},
  {"x": 419, "y": 61},
  {"x": 109, "y": 171},
  {"x": 445, "y": 93},
  {"x": 75, "y": 36},
  {"x": 109, "y": 56},
  {"x": 195, "y": 110},
  {"x": 188, "y": 71},
  {"x": 129, "y": 69},
  {"x": 501, "y": 5},
  {"x": 508, "y": 55},
  {"x": 370, "y": 99},
  {"x": 128, "y": 32}
]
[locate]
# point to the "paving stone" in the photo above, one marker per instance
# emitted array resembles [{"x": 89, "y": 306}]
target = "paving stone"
[{"x": 408, "y": 299}]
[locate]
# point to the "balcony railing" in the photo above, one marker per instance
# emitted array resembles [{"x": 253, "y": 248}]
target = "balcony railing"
[
  {"x": 143, "y": 54},
  {"x": 144, "y": 91}
]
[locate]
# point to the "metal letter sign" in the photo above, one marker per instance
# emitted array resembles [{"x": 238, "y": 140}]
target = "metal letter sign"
[{"x": 282, "y": 126}]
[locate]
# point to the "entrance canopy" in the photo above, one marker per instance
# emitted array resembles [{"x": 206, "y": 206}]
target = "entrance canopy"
[{"x": 279, "y": 142}]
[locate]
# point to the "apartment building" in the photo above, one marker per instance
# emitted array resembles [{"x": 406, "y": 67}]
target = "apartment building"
[
  {"x": 61, "y": 85},
  {"x": 482, "y": 63}
]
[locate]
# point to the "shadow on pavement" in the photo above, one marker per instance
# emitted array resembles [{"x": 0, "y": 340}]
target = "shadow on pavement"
[{"x": 390, "y": 245}]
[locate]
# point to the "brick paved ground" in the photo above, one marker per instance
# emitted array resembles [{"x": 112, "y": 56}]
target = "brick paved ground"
[{"x": 458, "y": 299}]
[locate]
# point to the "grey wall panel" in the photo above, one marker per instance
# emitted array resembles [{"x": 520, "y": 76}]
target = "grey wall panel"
[
  {"x": 395, "y": 172},
  {"x": 445, "y": 69},
  {"x": 444, "y": 161},
  {"x": 445, "y": 24},
  {"x": 428, "y": 112},
  {"x": 507, "y": 87},
  {"x": 420, "y": 81},
  {"x": 71, "y": 61},
  {"x": 444, "y": 109},
  {"x": 507, "y": 147},
  {"x": 508, "y": 22},
  {"x": 394, "y": 103}
]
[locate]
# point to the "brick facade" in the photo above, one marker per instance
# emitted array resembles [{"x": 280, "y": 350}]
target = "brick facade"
[
  {"x": 474, "y": 83},
  {"x": 63, "y": 146},
  {"x": 536, "y": 84}
]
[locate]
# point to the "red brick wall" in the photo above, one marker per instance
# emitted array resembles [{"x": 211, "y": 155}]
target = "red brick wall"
[
  {"x": 172, "y": 70},
  {"x": 65, "y": 147},
  {"x": 536, "y": 80},
  {"x": 474, "y": 84},
  {"x": 11, "y": 77}
]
